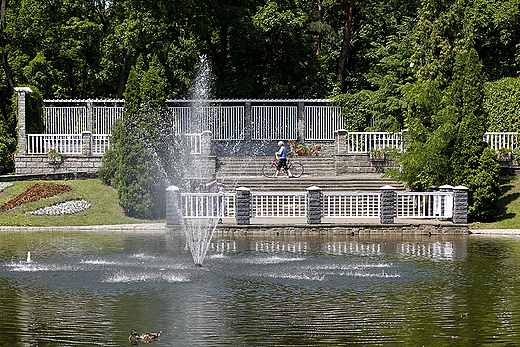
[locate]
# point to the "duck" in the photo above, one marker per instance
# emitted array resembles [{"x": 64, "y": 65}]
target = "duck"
[{"x": 134, "y": 335}]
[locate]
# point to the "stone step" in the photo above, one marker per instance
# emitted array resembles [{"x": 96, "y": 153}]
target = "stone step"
[{"x": 344, "y": 183}]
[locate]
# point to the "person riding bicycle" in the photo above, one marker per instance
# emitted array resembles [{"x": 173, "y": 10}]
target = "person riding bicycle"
[{"x": 281, "y": 155}]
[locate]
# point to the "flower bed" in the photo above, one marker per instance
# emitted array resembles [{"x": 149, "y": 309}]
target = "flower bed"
[
  {"x": 35, "y": 192},
  {"x": 69, "y": 207}
]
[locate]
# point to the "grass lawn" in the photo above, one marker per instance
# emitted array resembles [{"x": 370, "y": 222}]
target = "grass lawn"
[
  {"x": 104, "y": 207},
  {"x": 508, "y": 212}
]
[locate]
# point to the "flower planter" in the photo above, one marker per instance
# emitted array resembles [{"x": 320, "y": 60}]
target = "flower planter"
[{"x": 56, "y": 160}]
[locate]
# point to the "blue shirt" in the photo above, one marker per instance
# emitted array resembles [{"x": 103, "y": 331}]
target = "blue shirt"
[{"x": 284, "y": 153}]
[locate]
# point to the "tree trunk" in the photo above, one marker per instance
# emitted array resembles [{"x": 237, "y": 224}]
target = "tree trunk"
[
  {"x": 125, "y": 70},
  {"x": 347, "y": 37},
  {"x": 320, "y": 21},
  {"x": 8, "y": 73}
]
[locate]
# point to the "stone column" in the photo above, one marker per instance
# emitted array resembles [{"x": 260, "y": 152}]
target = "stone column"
[
  {"x": 301, "y": 122},
  {"x": 22, "y": 142},
  {"x": 205, "y": 145},
  {"x": 387, "y": 208},
  {"x": 460, "y": 205},
  {"x": 87, "y": 143},
  {"x": 314, "y": 205},
  {"x": 243, "y": 206},
  {"x": 173, "y": 206},
  {"x": 340, "y": 142}
]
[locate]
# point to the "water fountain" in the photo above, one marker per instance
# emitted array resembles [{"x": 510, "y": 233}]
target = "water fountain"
[{"x": 199, "y": 230}]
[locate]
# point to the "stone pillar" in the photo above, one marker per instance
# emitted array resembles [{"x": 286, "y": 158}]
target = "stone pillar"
[
  {"x": 205, "y": 145},
  {"x": 301, "y": 122},
  {"x": 87, "y": 143},
  {"x": 340, "y": 142},
  {"x": 460, "y": 205},
  {"x": 173, "y": 206},
  {"x": 243, "y": 206},
  {"x": 387, "y": 208},
  {"x": 90, "y": 117},
  {"x": 446, "y": 204},
  {"x": 314, "y": 205},
  {"x": 22, "y": 142}
]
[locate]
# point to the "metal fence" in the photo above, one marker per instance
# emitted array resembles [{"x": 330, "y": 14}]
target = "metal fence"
[
  {"x": 274, "y": 123},
  {"x": 321, "y": 122}
]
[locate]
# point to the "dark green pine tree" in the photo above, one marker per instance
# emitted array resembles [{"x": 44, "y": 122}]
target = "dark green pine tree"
[
  {"x": 473, "y": 164},
  {"x": 141, "y": 183}
]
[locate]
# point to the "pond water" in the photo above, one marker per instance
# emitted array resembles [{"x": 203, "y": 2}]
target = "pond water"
[{"x": 318, "y": 290}]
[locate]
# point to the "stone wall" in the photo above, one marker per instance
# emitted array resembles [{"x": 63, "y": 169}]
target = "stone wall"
[
  {"x": 40, "y": 164},
  {"x": 394, "y": 229}
]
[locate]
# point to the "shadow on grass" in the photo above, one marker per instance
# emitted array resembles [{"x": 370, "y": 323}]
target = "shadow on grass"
[{"x": 509, "y": 195}]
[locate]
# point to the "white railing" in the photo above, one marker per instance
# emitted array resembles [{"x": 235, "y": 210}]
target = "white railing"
[
  {"x": 279, "y": 205},
  {"x": 65, "y": 120},
  {"x": 195, "y": 143},
  {"x": 274, "y": 122},
  {"x": 498, "y": 140},
  {"x": 207, "y": 205},
  {"x": 351, "y": 205},
  {"x": 363, "y": 142},
  {"x": 100, "y": 143},
  {"x": 63, "y": 143},
  {"x": 322, "y": 121},
  {"x": 424, "y": 205}
]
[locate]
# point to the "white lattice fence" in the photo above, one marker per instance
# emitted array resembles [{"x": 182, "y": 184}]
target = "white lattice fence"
[
  {"x": 207, "y": 205},
  {"x": 351, "y": 205},
  {"x": 424, "y": 205},
  {"x": 279, "y": 205},
  {"x": 63, "y": 143},
  {"x": 364, "y": 142},
  {"x": 499, "y": 141}
]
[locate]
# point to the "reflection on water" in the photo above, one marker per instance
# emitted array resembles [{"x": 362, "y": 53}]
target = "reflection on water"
[{"x": 317, "y": 290}]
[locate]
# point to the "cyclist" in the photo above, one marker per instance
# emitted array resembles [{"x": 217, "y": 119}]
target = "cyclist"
[{"x": 281, "y": 155}]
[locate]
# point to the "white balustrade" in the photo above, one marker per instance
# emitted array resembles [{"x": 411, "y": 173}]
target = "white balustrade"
[
  {"x": 351, "y": 205},
  {"x": 207, "y": 205},
  {"x": 424, "y": 205},
  {"x": 279, "y": 205},
  {"x": 100, "y": 143},
  {"x": 195, "y": 143},
  {"x": 363, "y": 142},
  {"x": 499, "y": 141},
  {"x": 63, "y": 143}
]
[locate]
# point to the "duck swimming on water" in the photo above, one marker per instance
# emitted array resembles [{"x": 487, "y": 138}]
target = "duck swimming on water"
[{"x": 135, "y": 336}]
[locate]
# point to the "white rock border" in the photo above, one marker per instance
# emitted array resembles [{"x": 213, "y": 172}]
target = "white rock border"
[
  {"x": 68, "y": 207},
  {"x": 5, "y": 185}
]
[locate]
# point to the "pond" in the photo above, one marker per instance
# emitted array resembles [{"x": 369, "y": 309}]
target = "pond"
[{"x": 94, "y": 288}]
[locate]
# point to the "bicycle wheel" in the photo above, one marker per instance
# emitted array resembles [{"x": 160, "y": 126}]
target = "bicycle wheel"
[
  {"x": 269, "y": 170},
  {"x": 296, "y": 169}
]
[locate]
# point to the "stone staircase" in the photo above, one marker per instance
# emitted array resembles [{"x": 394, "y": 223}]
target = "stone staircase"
[
  {"x": 318, "y": 171},
  {"x": 252, "y": 166}
]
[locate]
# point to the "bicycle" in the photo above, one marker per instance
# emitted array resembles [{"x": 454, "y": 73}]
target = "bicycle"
[{"x": 269, "y": 169}]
